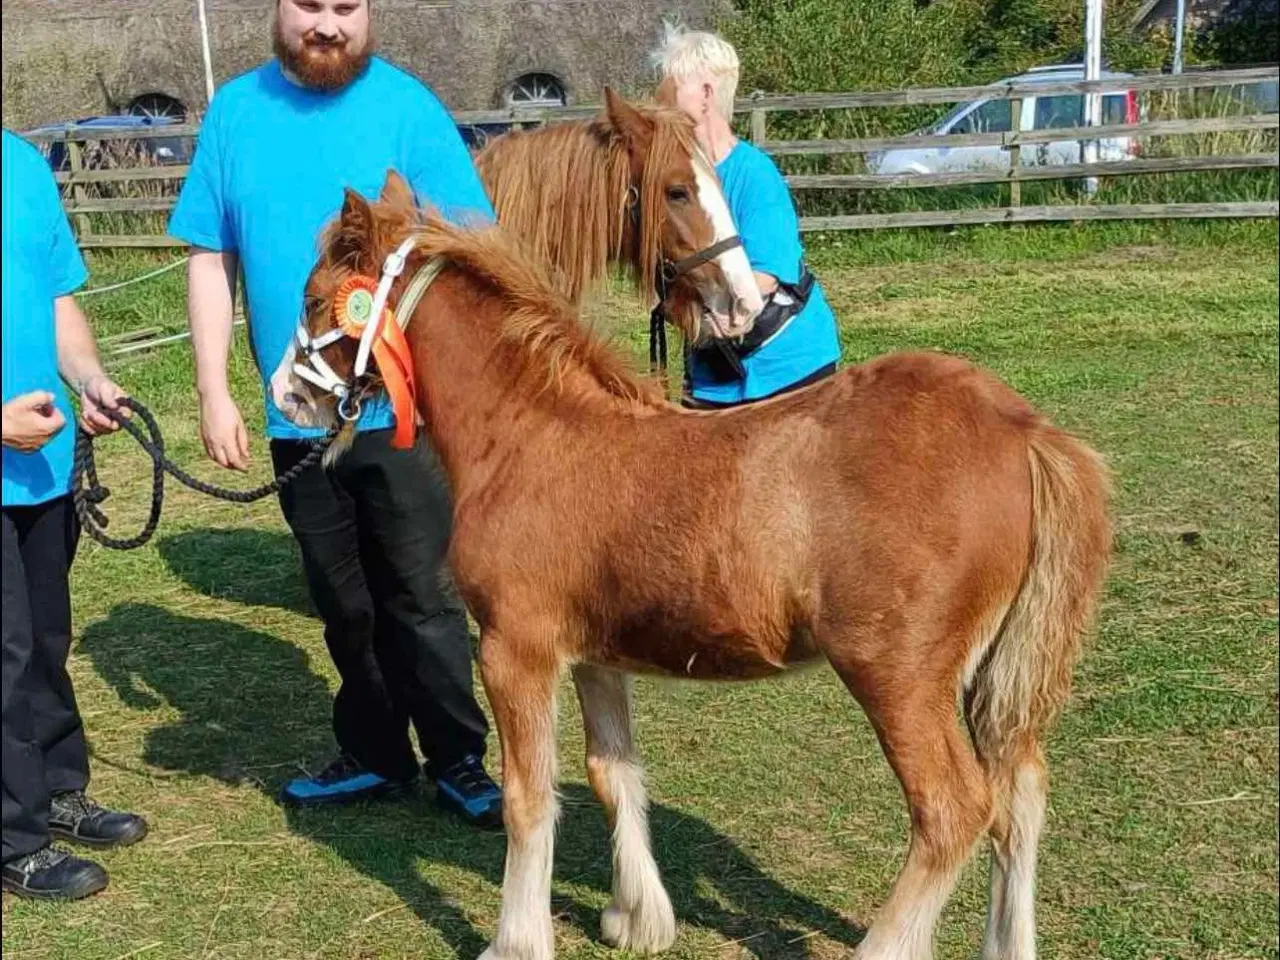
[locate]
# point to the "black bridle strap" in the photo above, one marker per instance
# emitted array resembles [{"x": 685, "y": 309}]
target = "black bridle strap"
[
  {"x": 692, "y": 262},
  {"x": 658, "y": 339}
]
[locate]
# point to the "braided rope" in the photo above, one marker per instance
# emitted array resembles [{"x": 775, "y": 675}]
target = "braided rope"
[{"x": 88, "y": 493}]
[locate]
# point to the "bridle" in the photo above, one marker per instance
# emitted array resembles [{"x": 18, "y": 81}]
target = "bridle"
[
  {"x": 671, "y": 270},
  {"x": 668, "y": 272},
  {"x": 368, "y": 318}
]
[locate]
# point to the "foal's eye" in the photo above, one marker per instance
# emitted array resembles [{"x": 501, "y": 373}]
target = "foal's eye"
[{"x": 678, "y": 194}]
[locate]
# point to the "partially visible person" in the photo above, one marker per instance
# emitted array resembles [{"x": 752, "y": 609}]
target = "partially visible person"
[
  {"x": 795, "y": 341},
  {"x": 276, "y": 151},
  {"x": 45, "y": 759}
]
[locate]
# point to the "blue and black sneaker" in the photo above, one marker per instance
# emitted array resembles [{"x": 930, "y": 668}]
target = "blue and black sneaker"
[
  {"x": 465, "y": 789},
  {"x": 343, "y": 781}
]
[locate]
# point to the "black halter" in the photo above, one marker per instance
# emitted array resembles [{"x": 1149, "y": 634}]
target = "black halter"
[
  {"x": 668, "y": 272},
  {"x": 671, "y": 269}
]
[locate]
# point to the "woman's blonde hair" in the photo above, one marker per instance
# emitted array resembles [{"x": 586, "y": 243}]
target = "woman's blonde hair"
[{"x": 694, "y": 54}]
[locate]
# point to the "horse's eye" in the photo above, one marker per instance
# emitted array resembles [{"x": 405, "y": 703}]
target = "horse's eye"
[{"x": 678, "y": 194}]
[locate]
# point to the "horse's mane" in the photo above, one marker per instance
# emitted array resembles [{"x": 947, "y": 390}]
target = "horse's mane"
[
  {"x": 563, "y": 189},
  {"x": 536, "y": 318}
]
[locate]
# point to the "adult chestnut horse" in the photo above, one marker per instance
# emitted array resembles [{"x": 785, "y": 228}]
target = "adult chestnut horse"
[
  {"x": 587, "y": 195},
  {"x": 911, "y": 520}
]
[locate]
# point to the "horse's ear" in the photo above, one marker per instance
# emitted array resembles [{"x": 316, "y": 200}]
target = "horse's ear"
[
  {"x": 357, "y": 215},
  {"x": 666, "y": 93},
  {"x": 630, "y": 124},
  {"x": 396, "y": 191},
  {"x": 354, "y": 229}
]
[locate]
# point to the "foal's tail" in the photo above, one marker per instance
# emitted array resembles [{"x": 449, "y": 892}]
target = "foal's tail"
[{"x": 1025, "y": 677}]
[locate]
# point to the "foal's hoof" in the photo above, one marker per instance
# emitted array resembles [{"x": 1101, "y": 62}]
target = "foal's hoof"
[
  {"x": 493, "y": 953},
  {"x": 644, "y": 931}
]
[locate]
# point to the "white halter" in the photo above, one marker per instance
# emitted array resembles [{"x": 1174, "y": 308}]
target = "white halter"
[{"x": 315, "y": 370}]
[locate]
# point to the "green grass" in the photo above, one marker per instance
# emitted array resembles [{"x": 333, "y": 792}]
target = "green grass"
[{"x": 204, "y": 681}]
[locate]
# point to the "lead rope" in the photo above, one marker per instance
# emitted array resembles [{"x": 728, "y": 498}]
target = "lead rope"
[{"x": 88, "y": 494}]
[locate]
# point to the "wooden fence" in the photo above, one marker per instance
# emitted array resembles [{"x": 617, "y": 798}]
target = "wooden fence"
[{"x": 758, "y": 107}]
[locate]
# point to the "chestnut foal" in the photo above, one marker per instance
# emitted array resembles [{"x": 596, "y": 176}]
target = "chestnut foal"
[{"x": 912, "y": 520}]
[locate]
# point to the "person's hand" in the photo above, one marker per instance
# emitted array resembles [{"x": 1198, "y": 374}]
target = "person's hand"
[
  {"x": 100, "y": 394},
  {"x": 222, "y": 429},
  {"x": 31, "y": 420}
]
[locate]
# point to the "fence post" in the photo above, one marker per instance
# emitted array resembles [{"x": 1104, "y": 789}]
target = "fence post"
[
  {"x": 1015, "y": 154},
  {"x": 757, "y": 126},
  {"x": 75, "y": 159}
]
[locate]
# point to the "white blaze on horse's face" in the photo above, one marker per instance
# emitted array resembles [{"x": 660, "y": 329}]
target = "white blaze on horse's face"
[{"x": 732, "y": 312}]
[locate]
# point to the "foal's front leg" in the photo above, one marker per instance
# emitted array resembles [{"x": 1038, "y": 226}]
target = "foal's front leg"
[
  {"x": 520, "y": 675},
  {"x": 640, "y": 916}
]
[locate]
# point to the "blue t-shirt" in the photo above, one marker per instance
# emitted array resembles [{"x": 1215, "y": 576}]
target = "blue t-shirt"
[
  {"x": 41, "y": 263},
  {"x": 766, "y": 219},
  {"x": 269, "y": 172}
]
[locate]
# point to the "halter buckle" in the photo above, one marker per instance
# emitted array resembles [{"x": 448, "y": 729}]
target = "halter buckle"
[
  {"x": 393, "y": 266},
  {"x": 349, "y": 406}
]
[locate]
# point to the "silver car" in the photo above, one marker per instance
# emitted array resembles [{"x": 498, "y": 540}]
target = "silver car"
[{"x": 995, "y": 116}]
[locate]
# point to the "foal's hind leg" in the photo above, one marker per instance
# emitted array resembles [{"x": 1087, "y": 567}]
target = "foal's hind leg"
[
  {"x": 949, "y": 799},
  {"x": 640, "y": 916},
  {"x": 1020, "y": 785},
  {"x": 520, "y": 679}
]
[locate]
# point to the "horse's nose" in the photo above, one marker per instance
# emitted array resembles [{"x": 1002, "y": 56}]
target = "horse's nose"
[
  {"x": 744, "y": 314},
  {"x": 280, "y": 388},
  {"x": 292, "y": 398}
]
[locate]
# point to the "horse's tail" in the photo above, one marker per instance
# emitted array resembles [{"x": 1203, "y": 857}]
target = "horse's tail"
[{"x": 1025, "y": 676}]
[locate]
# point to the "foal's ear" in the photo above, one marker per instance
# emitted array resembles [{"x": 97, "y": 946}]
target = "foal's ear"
[
  {"x": 629, "y": 123},
  {"x": 396, "y": 191},
  {"x": 354, "y": 228},
  {"x": 357, "y": 215}
]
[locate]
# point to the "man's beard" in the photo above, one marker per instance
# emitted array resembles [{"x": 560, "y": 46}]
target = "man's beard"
[{"x": 321, "y": 66}]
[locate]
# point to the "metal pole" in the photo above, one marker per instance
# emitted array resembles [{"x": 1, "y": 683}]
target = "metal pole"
[
  {"x": 204, "y": 43},
  {"x": 1179, "y": 28},
  {"x": 1092, "y": 71}
]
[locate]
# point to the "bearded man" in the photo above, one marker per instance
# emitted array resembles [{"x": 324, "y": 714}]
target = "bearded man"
[{"x": 277, "y": 148}]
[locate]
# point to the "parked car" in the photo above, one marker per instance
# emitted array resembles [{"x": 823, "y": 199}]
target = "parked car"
[
  {"x": 477, "y": 135},
  {"x": 160, "y": 150},
  {"x": 1049, "y": 112},
  {"x": 1261, "y": 96}
]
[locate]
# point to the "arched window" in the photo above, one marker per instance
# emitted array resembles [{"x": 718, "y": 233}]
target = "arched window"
[
  {"x": 536, "y": 90},
  {"x": 157, "y": 105}
]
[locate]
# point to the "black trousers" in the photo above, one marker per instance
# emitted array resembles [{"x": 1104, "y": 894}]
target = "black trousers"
[
  {"x": 374, "y": 532},
  {"x": 44, "y": 749}
]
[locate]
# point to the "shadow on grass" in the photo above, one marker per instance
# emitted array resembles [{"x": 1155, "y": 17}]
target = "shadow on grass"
[
  {"x": 260, "y": 568},
  {"x": 251, "y": 705}
]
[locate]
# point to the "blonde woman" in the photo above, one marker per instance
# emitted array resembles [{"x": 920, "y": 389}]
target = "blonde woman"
[{"x": 794, "y": 342}]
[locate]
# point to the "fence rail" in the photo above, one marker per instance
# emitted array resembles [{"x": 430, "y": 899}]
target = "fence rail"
[
  {"x": 842, "y": 181},
  {"x": 1064, "y": 171},
  {"x": 1017, "y": 138},
  {"x": 1126, "y": 211},
  {"x": 757, "y": 107},
  {"x": 121, "y": 175},
  {"x": 775, "y": 102},
  {"x": 770, "y": 103}
]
